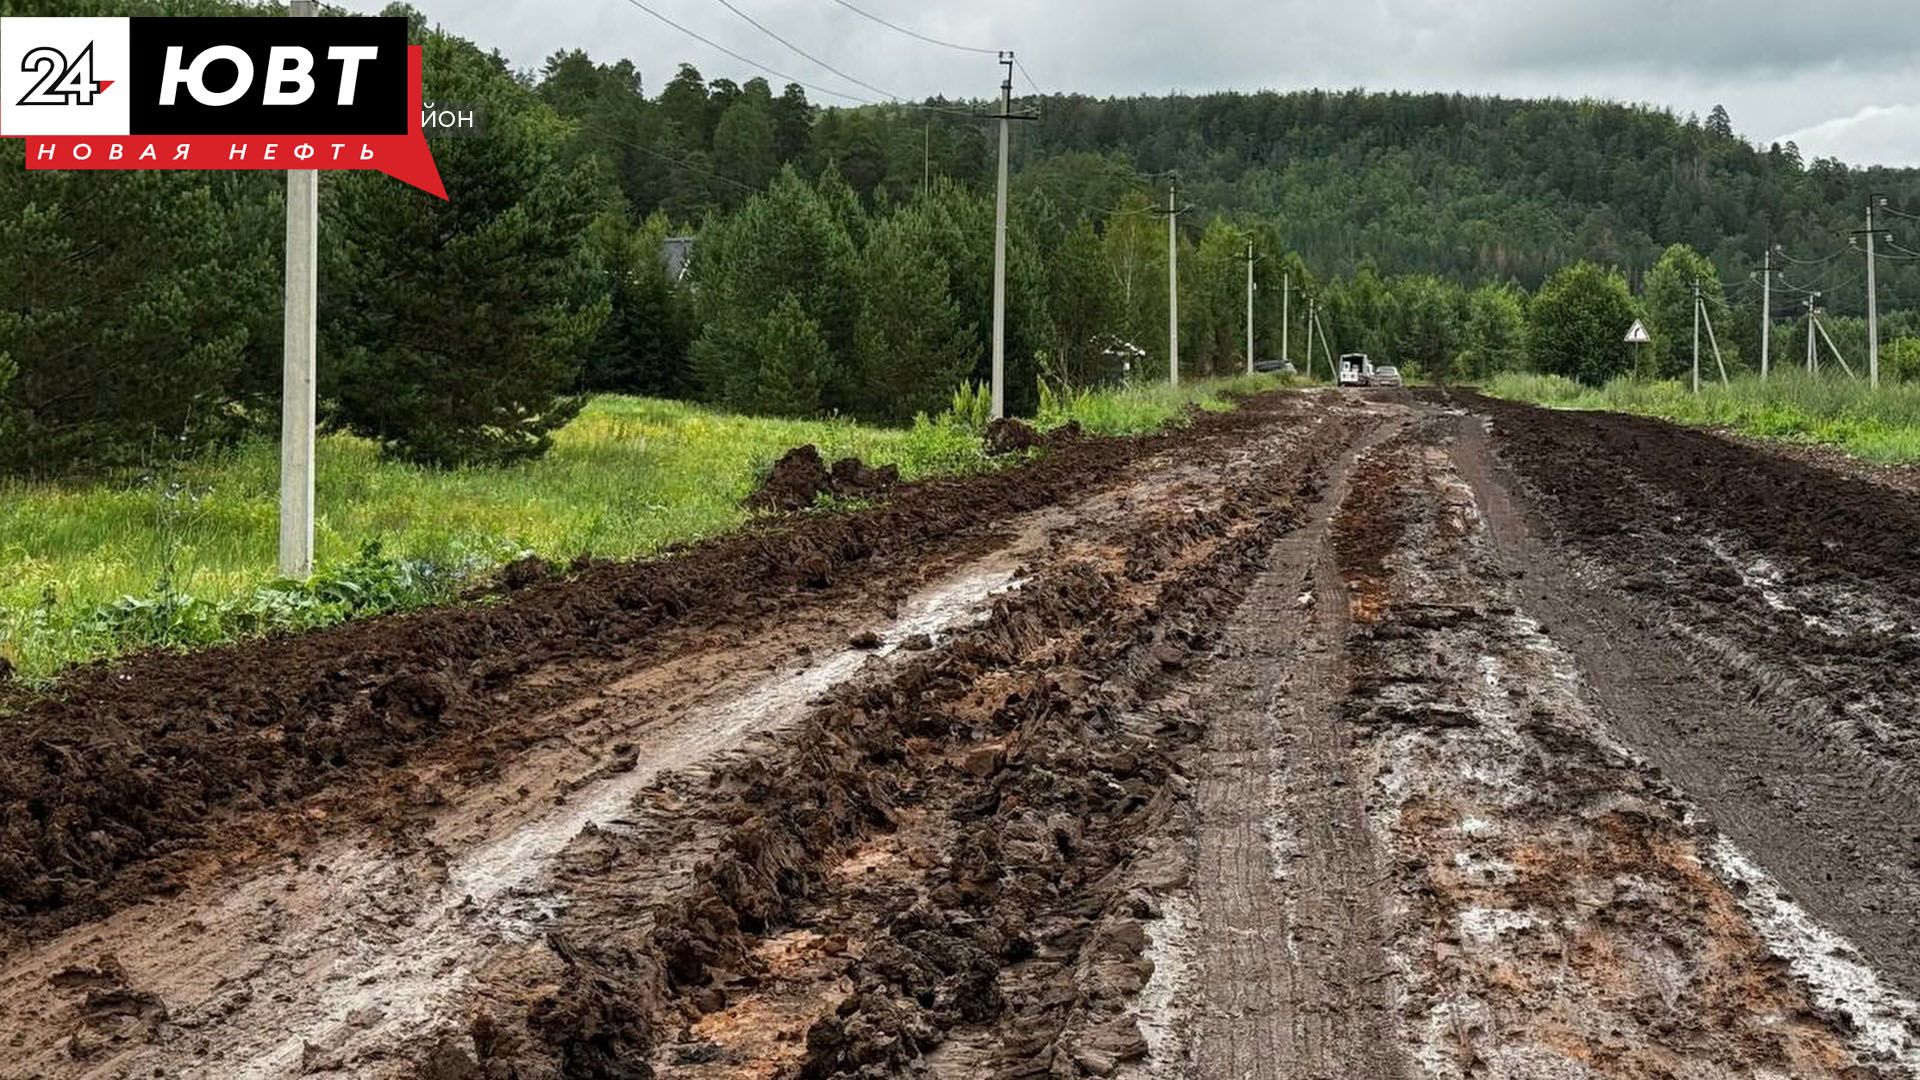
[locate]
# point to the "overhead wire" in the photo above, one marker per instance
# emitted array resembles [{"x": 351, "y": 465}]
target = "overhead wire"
[
  {"x": 671, "y": 160},
  {"x": 749, "y": 61},
  {"x": 1022, "y": 68},
  {"x": 1810, "y": 262},
  {"x": 797, "y": 50},
  {"x": 915, "y": 33},
  {"x": 778, "y": 74}
]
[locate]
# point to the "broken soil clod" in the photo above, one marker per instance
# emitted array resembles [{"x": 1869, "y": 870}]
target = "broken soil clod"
[
  {"x": 801, "y": 476},
  {"x": 1010, "y": 436}
]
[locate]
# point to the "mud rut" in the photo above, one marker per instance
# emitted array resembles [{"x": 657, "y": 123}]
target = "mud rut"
[{"x": 1340, "y": 737}]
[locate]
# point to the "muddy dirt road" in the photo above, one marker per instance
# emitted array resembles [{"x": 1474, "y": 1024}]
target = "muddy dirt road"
[{"x": 1392, "y": 735}]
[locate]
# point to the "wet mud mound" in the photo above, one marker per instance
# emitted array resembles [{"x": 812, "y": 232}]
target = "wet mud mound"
[
  {"x": 116, "y": 776},
  {"x": 801, "y": 476},
  {"x": 1010, "y": 436}
]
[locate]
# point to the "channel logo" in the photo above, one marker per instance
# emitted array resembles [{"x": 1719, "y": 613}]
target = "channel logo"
[{"x": 215, "y": 93}]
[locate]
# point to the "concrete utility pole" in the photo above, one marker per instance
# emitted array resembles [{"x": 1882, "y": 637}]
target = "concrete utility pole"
[
  {"x": 1813, "y": 354},
  {"x": 1766, "y": 308},
  {"x": 1250, "y": 262},
  {"x": 1696, "y": 335},
  {"x": 1713, "y": 339},
  {"x": 300, "y": 330},
  {"x": 1173, "y": 289},
  {"x": 999, "y": 408},
  {"x": 1873, "y": 300},
  {"x": 1309, "y": 368},
  {"x": 1286, "y": 314}
]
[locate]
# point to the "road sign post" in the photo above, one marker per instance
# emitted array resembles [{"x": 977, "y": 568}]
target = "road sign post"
[{"x": 1638, "y": 337}]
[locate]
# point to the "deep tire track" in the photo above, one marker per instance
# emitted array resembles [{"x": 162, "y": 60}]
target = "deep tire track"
[{"x": 1291, "y": 955}]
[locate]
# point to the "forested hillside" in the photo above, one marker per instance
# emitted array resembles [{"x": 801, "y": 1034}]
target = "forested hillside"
[{"x": 841, "y": 257}]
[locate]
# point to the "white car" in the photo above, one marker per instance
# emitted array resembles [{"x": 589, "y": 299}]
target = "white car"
[{"x": 1386, "y": 375}]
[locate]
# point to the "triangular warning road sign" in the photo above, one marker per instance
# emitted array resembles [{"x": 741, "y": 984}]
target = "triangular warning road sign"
[{"x": 1637, "y": 333}]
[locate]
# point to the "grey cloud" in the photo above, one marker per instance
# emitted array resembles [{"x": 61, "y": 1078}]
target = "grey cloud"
[{"x": 1779, "y": 68}]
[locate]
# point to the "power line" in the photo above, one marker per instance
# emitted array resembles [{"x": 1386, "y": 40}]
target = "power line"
[
  {"x": 1023, "y": 74},
  {"x": 1812, "y": 262},
  {"x": 678, "y": 162},
  {"x": 914, "y": 33},
  {"x": 757, "y": 25},
  {"x": 748, "y": 61}
]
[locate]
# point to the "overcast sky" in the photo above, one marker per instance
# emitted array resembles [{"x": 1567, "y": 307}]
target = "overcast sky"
[{"x": 1840, "y": 77}]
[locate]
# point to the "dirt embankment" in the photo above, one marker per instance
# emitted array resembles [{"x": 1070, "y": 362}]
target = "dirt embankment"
[{"x": 125, "y": 775}]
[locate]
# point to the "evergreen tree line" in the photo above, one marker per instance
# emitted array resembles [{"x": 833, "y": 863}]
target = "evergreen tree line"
[{"x": 841, "y": 258}]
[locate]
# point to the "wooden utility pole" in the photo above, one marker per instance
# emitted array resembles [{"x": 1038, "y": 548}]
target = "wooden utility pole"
[
  {"x": 1173, "y": 212},
  {"x": 299, "y": 345},
  {"x": 1713, "y": 339}
]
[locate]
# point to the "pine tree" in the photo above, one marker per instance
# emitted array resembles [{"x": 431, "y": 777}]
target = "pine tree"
[
  {"x": 133, "y": 308},
  {"x": 792, "y": 360},
  {"x": 1085, "y": 307},
  {"x": 784, "y": 239},
  {"x": 1719, "y": 123},
  {"x": 459, "y": 328},
  {"x": 743, "y": 143},
  {"x": 910, "y": 345},
  {"x": 683, "y": 102},
  {"x": 643, "y": 346},
  {"x": 792, "y": 124}
]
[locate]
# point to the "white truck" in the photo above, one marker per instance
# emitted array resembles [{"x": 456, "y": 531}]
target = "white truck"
[{"x": 1355, "y": 369}]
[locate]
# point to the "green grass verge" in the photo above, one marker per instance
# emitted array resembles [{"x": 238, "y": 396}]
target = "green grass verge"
[
  {"x": 1877, "y": 425},
  {"x": 184, "y": 556}
]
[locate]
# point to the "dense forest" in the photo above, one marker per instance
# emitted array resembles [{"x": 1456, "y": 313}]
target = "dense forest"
[{"x": 840, "y": 258}]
